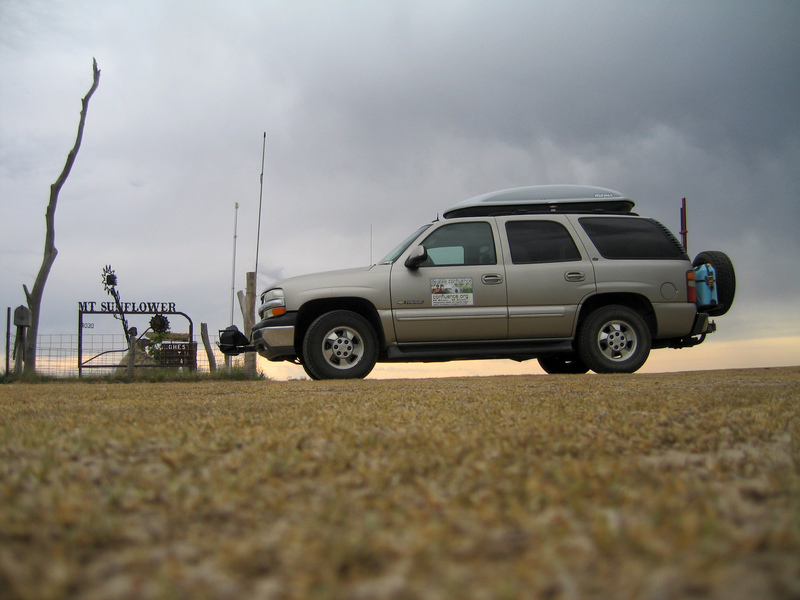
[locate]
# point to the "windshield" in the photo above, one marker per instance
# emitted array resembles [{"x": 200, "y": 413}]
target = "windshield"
[{"x": 392, "y": 256}]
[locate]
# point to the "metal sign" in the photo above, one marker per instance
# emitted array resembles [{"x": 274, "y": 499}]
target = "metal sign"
[
  {"x": 183, "y": 351},
  {"x": 175, "y": 354},
  {"x": 129, "y": 308}
]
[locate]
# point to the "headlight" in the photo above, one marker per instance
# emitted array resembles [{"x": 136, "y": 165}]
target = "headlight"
[{"x": 272, "y": 304}]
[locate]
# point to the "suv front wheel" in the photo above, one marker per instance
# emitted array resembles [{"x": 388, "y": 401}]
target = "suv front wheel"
[
  {"x": 340, "y": 345},
  {"x": 614, "y": 339}
]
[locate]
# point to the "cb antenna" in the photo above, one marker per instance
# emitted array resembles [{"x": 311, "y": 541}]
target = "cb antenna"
[
  {"x": 233, "y": 269},
  {"x": 260, "y": 196}
]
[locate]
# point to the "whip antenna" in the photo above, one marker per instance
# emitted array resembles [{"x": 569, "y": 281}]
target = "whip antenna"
[
  {"x": 260, "y": 196},
  {"x": 233, "y": 269}
]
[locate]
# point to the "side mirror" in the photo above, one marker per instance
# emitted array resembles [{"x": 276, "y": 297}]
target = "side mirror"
[{"x": 418, "y": 256}]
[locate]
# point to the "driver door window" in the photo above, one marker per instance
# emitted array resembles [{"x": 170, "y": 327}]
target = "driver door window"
[{"x": 461, "y": 244}]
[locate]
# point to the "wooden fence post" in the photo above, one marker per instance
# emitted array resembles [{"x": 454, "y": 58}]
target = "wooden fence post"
[
  {"x": 132, "y": 333},
  {"x": 212, "y": 362},
  {"x": 247, "y": 302}
]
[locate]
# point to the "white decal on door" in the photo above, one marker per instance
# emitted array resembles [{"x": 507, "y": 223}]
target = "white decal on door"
[{"x": 452, "y": 292}]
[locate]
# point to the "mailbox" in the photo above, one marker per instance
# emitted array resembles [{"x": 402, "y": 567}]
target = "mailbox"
[{"x": 22, "y": 316}]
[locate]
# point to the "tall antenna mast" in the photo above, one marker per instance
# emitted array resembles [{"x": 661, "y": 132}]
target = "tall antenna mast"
[
  {"x": 260, "y": 196},
  {"x": 233, "y": 269}
]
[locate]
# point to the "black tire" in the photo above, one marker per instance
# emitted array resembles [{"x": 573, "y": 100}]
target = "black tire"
[
  {"x": 340, "y": 345},
  {"x": 614, "y": 339},
  {"x": 563, "y": 365},
  {"x": 309, "y": 372},
  {"x": 725, "y": 279}
]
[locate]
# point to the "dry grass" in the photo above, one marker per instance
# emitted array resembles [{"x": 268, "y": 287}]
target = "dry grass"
[{"x": 553, "y": 487}]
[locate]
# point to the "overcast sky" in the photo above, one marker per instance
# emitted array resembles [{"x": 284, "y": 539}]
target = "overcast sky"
[{"x": 379, "y": 115}]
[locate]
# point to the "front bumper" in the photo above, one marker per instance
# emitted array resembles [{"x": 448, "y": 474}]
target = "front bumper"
[{"x": 274, "y": 338}]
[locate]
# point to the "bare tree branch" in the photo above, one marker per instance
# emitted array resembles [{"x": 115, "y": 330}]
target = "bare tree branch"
[{"x": 34, "y": 296}]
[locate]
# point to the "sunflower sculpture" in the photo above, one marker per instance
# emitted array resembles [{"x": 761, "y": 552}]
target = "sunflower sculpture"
[
  {"x": 110, "y": 286},
  {"x": 160, "y": 326}
]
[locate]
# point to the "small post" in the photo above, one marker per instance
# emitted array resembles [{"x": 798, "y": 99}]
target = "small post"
[
  {"x": 8, "y": 339},
  {"x": 132, "y": 333},
  {"x": 80, "y": 341},
  {"x": 19, "y": 351},
  {"x": 247, "y": 303},
  {"x": 22, "y": 320},
  {"x": 212, "y": 362},
  {"x": 250, "y": 297}
]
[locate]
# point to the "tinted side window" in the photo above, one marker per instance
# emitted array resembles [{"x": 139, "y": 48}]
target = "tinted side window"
[
  {"x": 540, "y": 242},
  {"x": 461, "y": 244},
  {"x": 619, "y": 237}
]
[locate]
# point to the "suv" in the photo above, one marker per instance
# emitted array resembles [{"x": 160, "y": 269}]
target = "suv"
[{"x": 564, "y": 274}]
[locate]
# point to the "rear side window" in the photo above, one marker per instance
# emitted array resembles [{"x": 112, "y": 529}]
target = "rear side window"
[
  {"x": 620, "y": 237},
  {"x": 540, "y": 242}
]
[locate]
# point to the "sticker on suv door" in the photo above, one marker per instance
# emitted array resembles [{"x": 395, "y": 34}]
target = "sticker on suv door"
[{"x": 452, "y": 292}]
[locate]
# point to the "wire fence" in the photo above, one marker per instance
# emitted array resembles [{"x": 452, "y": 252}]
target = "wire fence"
[{"x": 59, "y": 355}]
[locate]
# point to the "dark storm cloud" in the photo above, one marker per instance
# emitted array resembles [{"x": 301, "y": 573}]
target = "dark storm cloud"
[
  {"x": 577, "y": 73},
  {"x": 591, "y": 80}
]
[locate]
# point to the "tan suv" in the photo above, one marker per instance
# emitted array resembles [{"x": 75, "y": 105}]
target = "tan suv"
[{"x": 564, "y": 274}]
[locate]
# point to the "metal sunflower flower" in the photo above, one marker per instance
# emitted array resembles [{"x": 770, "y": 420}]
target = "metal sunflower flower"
[{"x": 109, "y": 279}]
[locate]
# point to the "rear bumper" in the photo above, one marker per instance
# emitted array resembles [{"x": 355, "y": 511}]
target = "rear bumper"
[
  {"x": 274, "y": 338},
  {"x": 700, "y": 329},
  {"x": 703, "y": 325}
]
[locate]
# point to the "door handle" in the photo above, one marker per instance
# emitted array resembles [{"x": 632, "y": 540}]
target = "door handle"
[
  {"x": 492, "y": 279},
  {"x": 574, "y": 276}
]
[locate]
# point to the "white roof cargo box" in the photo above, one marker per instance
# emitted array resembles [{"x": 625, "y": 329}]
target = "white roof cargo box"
[{"x": 543, "y": 198}]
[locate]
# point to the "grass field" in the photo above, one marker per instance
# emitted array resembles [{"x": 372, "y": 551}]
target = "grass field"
[{"x": 659, "y": 486}]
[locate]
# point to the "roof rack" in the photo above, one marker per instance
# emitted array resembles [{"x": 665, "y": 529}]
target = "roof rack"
[{"x": 543, "y": 199}]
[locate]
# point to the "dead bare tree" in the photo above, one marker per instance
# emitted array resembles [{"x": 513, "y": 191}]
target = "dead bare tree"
[{"x": 34, "y": 297}]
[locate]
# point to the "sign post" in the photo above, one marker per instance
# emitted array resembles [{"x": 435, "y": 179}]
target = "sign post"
[{"x": 22, "y": 320}]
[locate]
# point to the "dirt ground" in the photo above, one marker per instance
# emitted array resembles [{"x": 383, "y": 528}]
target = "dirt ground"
[{"x": 647, "y": 486}]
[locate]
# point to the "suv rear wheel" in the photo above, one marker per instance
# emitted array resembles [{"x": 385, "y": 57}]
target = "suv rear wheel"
[
  {"x": 340, "y": 345},
  {"x": 614, "y": 339}
]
